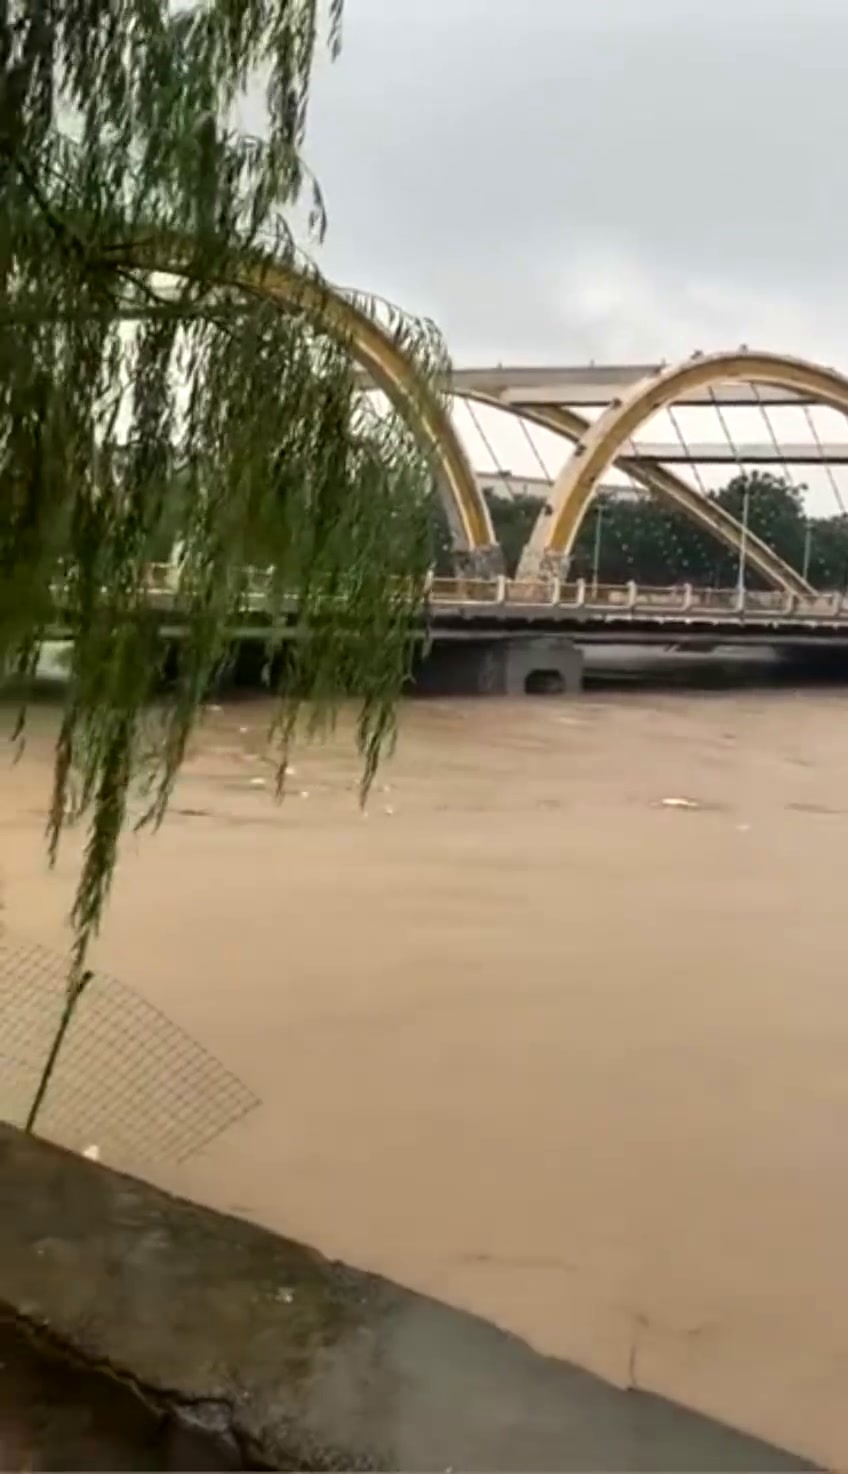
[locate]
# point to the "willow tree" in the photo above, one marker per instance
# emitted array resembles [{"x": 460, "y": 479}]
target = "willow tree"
[{"x": 119, "y": 159}]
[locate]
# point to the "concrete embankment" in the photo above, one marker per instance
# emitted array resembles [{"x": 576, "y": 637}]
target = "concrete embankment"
[{"x": 191, "y": 1339}]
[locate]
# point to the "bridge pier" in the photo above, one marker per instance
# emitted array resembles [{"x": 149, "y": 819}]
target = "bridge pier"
[
  {"x": 512, "y": 665},
  {"x": 534, "y": 566},
  {"x": 536, "y": 665},
  {"x": 483, "y": 563}
]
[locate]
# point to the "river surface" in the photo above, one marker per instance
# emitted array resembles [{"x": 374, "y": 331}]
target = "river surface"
[{"x": 524, "y": 1036}]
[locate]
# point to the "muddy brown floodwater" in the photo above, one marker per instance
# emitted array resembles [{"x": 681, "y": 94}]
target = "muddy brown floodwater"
[{"x": 524, "y": 1037}]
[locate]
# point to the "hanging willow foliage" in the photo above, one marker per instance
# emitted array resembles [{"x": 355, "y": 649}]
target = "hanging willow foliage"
[{"x": 241, "y": 431}]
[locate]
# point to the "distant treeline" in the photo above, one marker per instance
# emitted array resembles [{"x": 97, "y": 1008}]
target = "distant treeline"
[{"x": 645, "y": 540}]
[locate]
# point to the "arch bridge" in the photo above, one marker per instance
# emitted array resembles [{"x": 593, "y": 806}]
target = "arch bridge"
[
  {"x": 628, "y": 397},
  {"x": 625, "y": 399},
  {"x": 556, "y": 399}
]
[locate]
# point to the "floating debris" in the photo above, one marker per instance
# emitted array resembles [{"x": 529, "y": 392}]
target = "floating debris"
[
  {"x": 304, "y": 792},
  {"x": 257, "y": 782},
  {"x": 680, "y": 803},
  {"x": 92, "y": 1153}
]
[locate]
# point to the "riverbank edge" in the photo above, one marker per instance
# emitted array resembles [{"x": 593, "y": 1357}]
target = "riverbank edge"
[{"x": 283, "y": 1359}]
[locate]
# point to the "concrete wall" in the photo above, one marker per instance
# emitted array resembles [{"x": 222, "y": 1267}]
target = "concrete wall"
[{"x": 284, "y": 1359}]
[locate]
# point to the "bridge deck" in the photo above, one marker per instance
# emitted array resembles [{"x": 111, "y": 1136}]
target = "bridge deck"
[{"x": 469, "y": 608}]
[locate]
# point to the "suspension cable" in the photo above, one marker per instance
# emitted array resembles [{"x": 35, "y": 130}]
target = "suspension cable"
[
  {"x": 745, "y": 487},
  {"x": 684, "y": 445},
  {"x": 546, "y": 475},
  {"x": 773, "y": 436},
  {"x": 788, "y": 474},
  {"x": 722, "y": 419},
  {"x": 499, "y": 470},
  {"x": 834, "y": 484}
]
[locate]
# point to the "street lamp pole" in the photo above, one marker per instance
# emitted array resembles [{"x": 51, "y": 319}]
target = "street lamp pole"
[
  {"x": 808, "y": 538},
  {"x": 743, "y": 545},
  {"x": 596, "y": 553}
]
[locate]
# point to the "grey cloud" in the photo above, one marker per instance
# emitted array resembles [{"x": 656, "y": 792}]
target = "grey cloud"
[{"x": 554, "y": 178}]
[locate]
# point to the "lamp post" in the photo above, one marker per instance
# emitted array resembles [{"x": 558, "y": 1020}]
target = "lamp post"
[
  {"x": 596, "y": 552},
  {"x": 743, "y": 544},
  {"x": 808, "y": 538}
]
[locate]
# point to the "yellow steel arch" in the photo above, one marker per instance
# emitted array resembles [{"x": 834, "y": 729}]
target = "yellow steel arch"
[
  {"x": 557, "y": 527},
  {"x": 385, "y": 362},
  {"x": 663, "y": 483}
]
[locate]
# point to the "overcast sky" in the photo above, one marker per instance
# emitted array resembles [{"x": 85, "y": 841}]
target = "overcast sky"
[
  {"x": 564, "y": 180},
  {"x": 567, "y": 179}
]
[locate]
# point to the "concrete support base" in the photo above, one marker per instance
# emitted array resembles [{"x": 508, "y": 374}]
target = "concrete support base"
[
  {"x": 535, "y": 566},
  {"x": 541, "y": 665},
  {"x": 479, "y": 562},
  {"x": 517, "y": 665}
]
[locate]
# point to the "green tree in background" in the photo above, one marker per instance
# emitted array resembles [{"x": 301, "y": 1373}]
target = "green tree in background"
[
  {"x": 659, "y": 545},
  {"x": 654, "y": 544},
  {"x": 645, "y": 540},
  {"x": 514, "y": 518},
  {"x": 828, "y": 553}
]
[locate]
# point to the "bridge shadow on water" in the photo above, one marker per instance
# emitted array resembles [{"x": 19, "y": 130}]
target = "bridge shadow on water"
[
  {"x": 606, "y": 667},
  {"x": 725, "y": 668},
  {"x": 610, "y": 667}
]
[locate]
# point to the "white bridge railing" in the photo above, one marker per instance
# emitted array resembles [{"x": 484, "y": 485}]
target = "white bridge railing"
[
  {"x": 604, "y": 599},
  {"x": 678, "y": 599}
]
